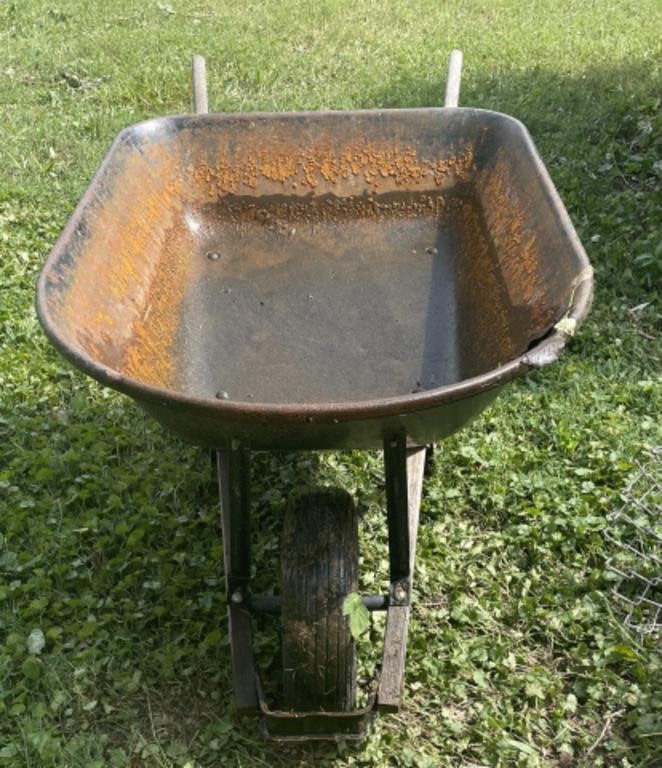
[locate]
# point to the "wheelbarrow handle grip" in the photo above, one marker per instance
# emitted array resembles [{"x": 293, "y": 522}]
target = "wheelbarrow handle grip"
[
  {"x": 200, "y": 102},
  {"x": 453, "y": 80}
]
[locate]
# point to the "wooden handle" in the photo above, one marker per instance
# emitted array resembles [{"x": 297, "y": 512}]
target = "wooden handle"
[
  {"x": 452, "y": 97},
  {"x": 200, "y": 103}
]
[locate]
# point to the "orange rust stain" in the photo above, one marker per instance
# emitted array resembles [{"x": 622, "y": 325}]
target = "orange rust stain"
[
  {"x": 486, "y": 312},
  {"x": 328, "y": 166},
  {"x": 516, "y": 244},
  {"x": 278, "y": 165},
  {"x": 149, "y": 354},
  {"x": 126, "y": 285},
  {"x": 250, "y": 173},
  {"x": 322, "y": 163}
]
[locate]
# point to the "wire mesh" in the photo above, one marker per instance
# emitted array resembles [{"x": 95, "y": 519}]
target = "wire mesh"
[{"x": 635, "y": 537}]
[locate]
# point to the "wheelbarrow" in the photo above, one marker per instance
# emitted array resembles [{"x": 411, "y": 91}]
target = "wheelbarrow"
[{"x": 360, "y": 279}]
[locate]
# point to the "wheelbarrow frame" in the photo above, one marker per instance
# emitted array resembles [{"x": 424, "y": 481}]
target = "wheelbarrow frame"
[{"x": 404, "y": 468}]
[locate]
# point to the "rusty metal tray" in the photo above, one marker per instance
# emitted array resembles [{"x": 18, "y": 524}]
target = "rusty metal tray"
[{"x": 313, "y": 280}]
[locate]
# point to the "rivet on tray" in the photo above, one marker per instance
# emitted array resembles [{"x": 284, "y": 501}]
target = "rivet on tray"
[
  {"x": 213, "y": 255},
  {"x": 222, "y": 395}
]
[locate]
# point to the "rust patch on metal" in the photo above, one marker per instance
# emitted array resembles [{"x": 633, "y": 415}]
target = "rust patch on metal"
[
  {"x": 278, "y": 215},
  {"x": 378, "y": 166},
  {"x": 515, "y": 242},
  {"x": 122, "y": 299},
  {"x": 234, "y": 220},
  {"x": 149, "y": 354},
  {"x": 488, "y": 316}
]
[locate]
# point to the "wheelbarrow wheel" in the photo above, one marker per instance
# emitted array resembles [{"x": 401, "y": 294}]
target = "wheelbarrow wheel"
[{"x": 319, "y": 568}]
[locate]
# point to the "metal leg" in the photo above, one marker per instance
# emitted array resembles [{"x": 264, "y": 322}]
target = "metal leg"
[
  {"x": 233, "y": 476},
  {"x": 397, "y": 513},
  {"x": 389, "y": 694},
  {"x": 234, "y": 480}
]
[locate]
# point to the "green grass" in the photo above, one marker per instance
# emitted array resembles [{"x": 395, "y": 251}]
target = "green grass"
[{"x": 108, "y": 534}]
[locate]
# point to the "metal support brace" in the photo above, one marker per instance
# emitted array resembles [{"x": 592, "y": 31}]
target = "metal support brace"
[
  {"x": 397, "y": 512},
  {"x": 235, "y": 480},
  {"x": 389, "y": 694},
  {"x": 315, "y": 726},
  {"x": 233, "y": 476}
]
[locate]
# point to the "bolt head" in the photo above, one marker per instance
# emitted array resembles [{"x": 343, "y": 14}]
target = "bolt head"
[{"x": 400, "y": 593}]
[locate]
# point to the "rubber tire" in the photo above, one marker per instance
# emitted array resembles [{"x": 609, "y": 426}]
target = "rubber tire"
[{"x": 319, "y": 561}]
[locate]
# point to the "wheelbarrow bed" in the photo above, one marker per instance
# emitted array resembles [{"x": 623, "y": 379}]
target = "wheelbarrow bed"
[{"x": 316, "y": 279}]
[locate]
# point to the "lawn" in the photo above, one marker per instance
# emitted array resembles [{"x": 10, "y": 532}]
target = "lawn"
[{"x": 113, "y": 638}]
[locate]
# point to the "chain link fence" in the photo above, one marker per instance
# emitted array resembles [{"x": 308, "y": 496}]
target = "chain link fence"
[{"x": 634, "y": 537}]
